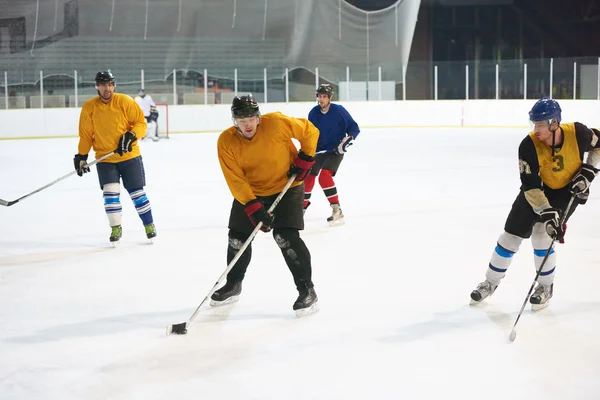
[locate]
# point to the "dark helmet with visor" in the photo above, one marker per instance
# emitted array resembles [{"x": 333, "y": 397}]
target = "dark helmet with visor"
[
  {"x": 104, "y": 77},
  {"x": 325, "y": 88},
  {"x": 244, "y": 107}
]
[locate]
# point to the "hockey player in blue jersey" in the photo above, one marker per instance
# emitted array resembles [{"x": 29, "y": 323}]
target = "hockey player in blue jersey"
[{"x": 337, "y": 131}]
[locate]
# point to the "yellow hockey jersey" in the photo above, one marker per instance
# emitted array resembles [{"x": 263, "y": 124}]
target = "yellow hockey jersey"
[
  {"x": 101, "y": 125},
  {"x": 557, "y": 170},
  {"x": 259, "y": 167}
]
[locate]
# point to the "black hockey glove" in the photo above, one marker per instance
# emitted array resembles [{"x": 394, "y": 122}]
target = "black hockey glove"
[
  {"x": 80, "y": 162},
  {"x": 551, "y": 219},
  {"x": 257, "y": 213},
  {"x": 582, "y": 179},
  {"x": 301, "y": 167},
  {"x": 153, "y": 114},
  {"x": 344, "y": 144},
  {"x": 125, "y": 143}
]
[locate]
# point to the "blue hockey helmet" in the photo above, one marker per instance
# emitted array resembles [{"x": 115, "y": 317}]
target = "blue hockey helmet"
[{"x": 545, "y": 109}]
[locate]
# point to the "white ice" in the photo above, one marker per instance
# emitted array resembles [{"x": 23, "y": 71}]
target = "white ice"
[{"x": 424, "y": 208}]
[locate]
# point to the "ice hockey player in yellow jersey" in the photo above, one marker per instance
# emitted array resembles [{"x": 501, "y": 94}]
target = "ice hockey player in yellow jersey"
[
  {"x": 553, "y": 170},
  {"x": 114, "y": 122},
  {"x": 258, "y": 157}
]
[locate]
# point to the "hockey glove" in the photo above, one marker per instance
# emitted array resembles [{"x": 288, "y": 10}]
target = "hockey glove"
[
  {"x": 153, "y": 114},
  {"x": 80, "y": 162},
  {"x": 257, "y": 213},
  {"x": 302, "y": 165},
  {"x": 344, "y": 144},
  {"x": 126, "y": 143},
  {"x": 582, "y": 179},
  {"x": 551, "y": 219}
]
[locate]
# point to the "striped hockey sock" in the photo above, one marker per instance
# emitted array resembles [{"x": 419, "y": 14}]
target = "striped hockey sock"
[
  {"x": 112, "y": 203},
  {"x": 142, "y": 205},
  {"x": 328, "y": 186},
  {"x": 309, "y": 184}
]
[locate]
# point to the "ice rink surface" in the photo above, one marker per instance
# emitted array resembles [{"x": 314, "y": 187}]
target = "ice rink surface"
[{"x": 424, "y": 208}]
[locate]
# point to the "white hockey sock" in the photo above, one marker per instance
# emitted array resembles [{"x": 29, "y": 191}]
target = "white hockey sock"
[
  {"x": 540, "y": 242},
  {"x": 506, "y": 247},
  {"x": 112, "y": 203}
]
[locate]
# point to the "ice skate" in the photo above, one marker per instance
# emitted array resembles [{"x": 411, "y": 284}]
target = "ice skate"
[
  {"x": 484, "y": 290},
  {"x": 307, "y": 303},
  {"x": 337, "y": 217},
  {"x": 150, "y": 232},
  {"x": 115, "y": 235},
  {"x": 230, "y": 293},
  {"x": 305, "y": 207},
  {"x": 540, "y": 298}
]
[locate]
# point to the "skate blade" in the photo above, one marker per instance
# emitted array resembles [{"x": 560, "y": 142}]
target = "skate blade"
[
  {"x": 231, "y": 300},
  {"x": 116, "y": 244},
  {"x": 475, "y": 302},
  {"x": 337, "y": 222},
  {"x": 307, "y": 311},
  {"x": 538, "y": 307}
]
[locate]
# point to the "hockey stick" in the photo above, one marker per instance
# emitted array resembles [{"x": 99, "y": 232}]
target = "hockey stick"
[
  {"x": 513, "y": 333},
  {"x": 181, "y": 328},
  {"x": 10, "y": 203}
]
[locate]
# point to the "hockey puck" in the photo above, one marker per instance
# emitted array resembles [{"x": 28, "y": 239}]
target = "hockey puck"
[
  {"x": 177, "y": 329},
  {"x": 513, "y": 336}
]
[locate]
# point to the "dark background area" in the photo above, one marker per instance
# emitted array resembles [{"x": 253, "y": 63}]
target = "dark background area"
[{"x": 457, "y": 30}]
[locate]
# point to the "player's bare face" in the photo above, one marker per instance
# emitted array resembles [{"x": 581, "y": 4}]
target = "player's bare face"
[
  {"x": 105, "y": 91},
  {"x": 542, "y": 131},
  {"x": 324, "y": 101},
  {"x": 247, "y": 126}
]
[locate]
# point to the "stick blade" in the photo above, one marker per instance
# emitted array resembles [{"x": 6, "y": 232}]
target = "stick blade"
[
  {"x": 177, "y": 329},
  {"x": 8, "y": 203},
  {"x": 512, "y": 336}
]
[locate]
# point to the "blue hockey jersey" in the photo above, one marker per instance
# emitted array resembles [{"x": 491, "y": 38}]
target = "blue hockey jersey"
[{"x": 333, "y": 126}]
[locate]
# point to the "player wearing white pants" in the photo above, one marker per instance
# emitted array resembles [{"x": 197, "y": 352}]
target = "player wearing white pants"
[{"x": 150, "y": 113}]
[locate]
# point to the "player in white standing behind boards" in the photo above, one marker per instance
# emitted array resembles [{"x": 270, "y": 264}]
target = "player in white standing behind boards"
[
  {"x": 258, "y": 158},
  {"x": 150, "y": 113},
  {"x": 113, "y": 122},
  {"x": 552, "y": 170},
  {"x": 337, "y": 130}
]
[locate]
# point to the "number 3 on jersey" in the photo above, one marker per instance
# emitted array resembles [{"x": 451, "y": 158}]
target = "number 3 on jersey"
[{"x": 560, "y": 163}]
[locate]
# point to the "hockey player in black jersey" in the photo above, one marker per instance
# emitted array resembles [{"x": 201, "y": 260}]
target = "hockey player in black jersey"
[{"x": 552, "y": 168}]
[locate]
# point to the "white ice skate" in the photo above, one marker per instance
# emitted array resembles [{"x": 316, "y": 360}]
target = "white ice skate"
[
  {"x": 484, "y": 290},
  {"x": 540, "y": 298},
  {"x": 337, "y": 217}
]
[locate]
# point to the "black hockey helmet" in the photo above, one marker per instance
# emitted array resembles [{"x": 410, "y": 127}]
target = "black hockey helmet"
[
  {"x": 105, "y": 77},
  {"x": 325, "y": 88},
  {"x": 244, "y": 107}
]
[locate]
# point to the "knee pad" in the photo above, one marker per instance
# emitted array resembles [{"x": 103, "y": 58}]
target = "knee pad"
[
  {"x": 285, "y": 237},
  {"x": 510, "y": 242},
  {"x": 236, "y": 240},
  {"x": 540, "y": 240},
  {"x": 113, "y": 188}
]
